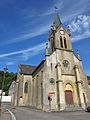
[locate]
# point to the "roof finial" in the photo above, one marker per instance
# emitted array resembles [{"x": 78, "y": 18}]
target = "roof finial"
[
  {"x": 47, "y": 53},
  {"x": 78, "y": 54},
  {"x": 68, "y": 30}
]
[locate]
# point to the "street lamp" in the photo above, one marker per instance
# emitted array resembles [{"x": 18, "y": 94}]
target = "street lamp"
[
  {"x": 17, "y": 83},
  {"x": 5, "y": 70}
]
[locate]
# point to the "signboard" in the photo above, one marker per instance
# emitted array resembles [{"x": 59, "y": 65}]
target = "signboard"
[
  {"x": 51, "y": 93},
  {"x": 6, "y": 98}
]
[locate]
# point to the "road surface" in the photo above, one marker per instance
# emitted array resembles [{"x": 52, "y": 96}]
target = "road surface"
[{"x": 24, "y": 113}]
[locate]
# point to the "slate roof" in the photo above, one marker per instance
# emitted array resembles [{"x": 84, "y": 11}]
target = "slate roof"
[
  {"x": 57, "y": 21},
  {"x": 26, "y": 69}
]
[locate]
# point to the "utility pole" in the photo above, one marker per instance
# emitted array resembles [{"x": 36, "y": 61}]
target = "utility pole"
[{"x": 5, "y": 70}]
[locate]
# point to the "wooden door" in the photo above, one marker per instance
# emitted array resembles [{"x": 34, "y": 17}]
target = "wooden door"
[{"x": 69, "y": 97}]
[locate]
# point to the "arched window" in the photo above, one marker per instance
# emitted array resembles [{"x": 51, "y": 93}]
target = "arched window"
[
  {"x": 61, "y": 42},
  {"x": 65, "y": 44},
  {"x": 26, "y": 87}
]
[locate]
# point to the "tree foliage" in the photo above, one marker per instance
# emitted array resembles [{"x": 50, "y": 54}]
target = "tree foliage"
[
  {"x": 88, "y": 77},
  {"x": 9, "y": 78}
]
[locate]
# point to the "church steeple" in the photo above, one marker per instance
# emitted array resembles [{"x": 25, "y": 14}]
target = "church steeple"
[{"x": 59, "y": 37}]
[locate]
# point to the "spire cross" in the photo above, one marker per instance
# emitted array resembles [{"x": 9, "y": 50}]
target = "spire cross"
[
  {"x": 56, "y": 9},
  {"x": 57, "y": 14}
]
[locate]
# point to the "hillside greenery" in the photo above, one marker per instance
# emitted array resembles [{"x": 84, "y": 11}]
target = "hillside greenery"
[{"x": 9, "y": 78}]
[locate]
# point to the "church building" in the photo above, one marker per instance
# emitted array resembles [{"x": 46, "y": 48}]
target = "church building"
[{"x": 58, "y": 83}]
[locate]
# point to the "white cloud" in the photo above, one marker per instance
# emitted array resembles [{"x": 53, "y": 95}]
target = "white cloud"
[
  {"x": 10, "y": 63},
  {"x": 58, "y": 4},
  {"x": 74, "y": 8},
  {"x": 80, "y": 27},
  {"x": 36, "y": 32},
  {"x": 27, "y": 52},
  {"x": 81, "y": 37},
  {"x": 30, "y": 12},
  {"x": 66, "y": 13},
  {"x": 36, "y": 50}
]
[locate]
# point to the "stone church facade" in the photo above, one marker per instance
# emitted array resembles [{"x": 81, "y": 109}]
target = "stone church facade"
[{"x": 58, "y": 82}]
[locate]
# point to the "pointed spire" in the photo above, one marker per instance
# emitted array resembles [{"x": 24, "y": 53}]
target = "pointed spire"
[
  {"x": 47, "y": 52},
  {"x": 57, "y": 20},
  {"x": 78, "y": 54}
]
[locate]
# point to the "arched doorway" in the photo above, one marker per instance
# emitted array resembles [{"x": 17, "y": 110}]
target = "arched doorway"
[
  {"x": 69, "y": 97},
  {"x": 69, "y": 94}
]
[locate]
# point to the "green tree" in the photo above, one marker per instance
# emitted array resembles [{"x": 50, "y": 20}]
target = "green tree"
[
  {"x": 88, "y": 77},
  {"x": 9, "y": 78}
]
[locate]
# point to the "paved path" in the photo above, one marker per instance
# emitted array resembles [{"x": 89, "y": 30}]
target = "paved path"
[
  {"x": 5, "y": 115},
  {"x": 22, "y": 113}
]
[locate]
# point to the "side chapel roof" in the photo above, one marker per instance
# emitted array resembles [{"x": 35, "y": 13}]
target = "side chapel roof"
[{"x": 26, "y": 69}]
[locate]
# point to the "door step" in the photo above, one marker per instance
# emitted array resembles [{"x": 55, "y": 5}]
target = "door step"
[{"x": 73, "y": 108}]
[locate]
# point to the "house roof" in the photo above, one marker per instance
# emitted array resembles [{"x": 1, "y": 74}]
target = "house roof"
[
  {"x": 26, "y": 69},
  {"x": 88, "y": 77},
  {"x": 88, "y": 82}
]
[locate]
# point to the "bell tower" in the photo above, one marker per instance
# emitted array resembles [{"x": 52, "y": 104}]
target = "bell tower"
[{"x": 59, "y": 37}]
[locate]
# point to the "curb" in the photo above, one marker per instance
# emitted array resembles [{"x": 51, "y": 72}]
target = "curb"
[
  {"x": 13, "y": 116},
  {"x": 5, "y": 114}
]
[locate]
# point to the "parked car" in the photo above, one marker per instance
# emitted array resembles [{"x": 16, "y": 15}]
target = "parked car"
[{"x": 88, "y": 109}]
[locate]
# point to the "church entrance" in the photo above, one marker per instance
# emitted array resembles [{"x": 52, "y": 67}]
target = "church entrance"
[
  {"x": 69, "y": 94},
  {"x": 69, "y": 97}
]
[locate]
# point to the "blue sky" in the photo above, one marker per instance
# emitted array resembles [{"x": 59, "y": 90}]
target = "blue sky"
[{"x": 24, "y": 26}]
